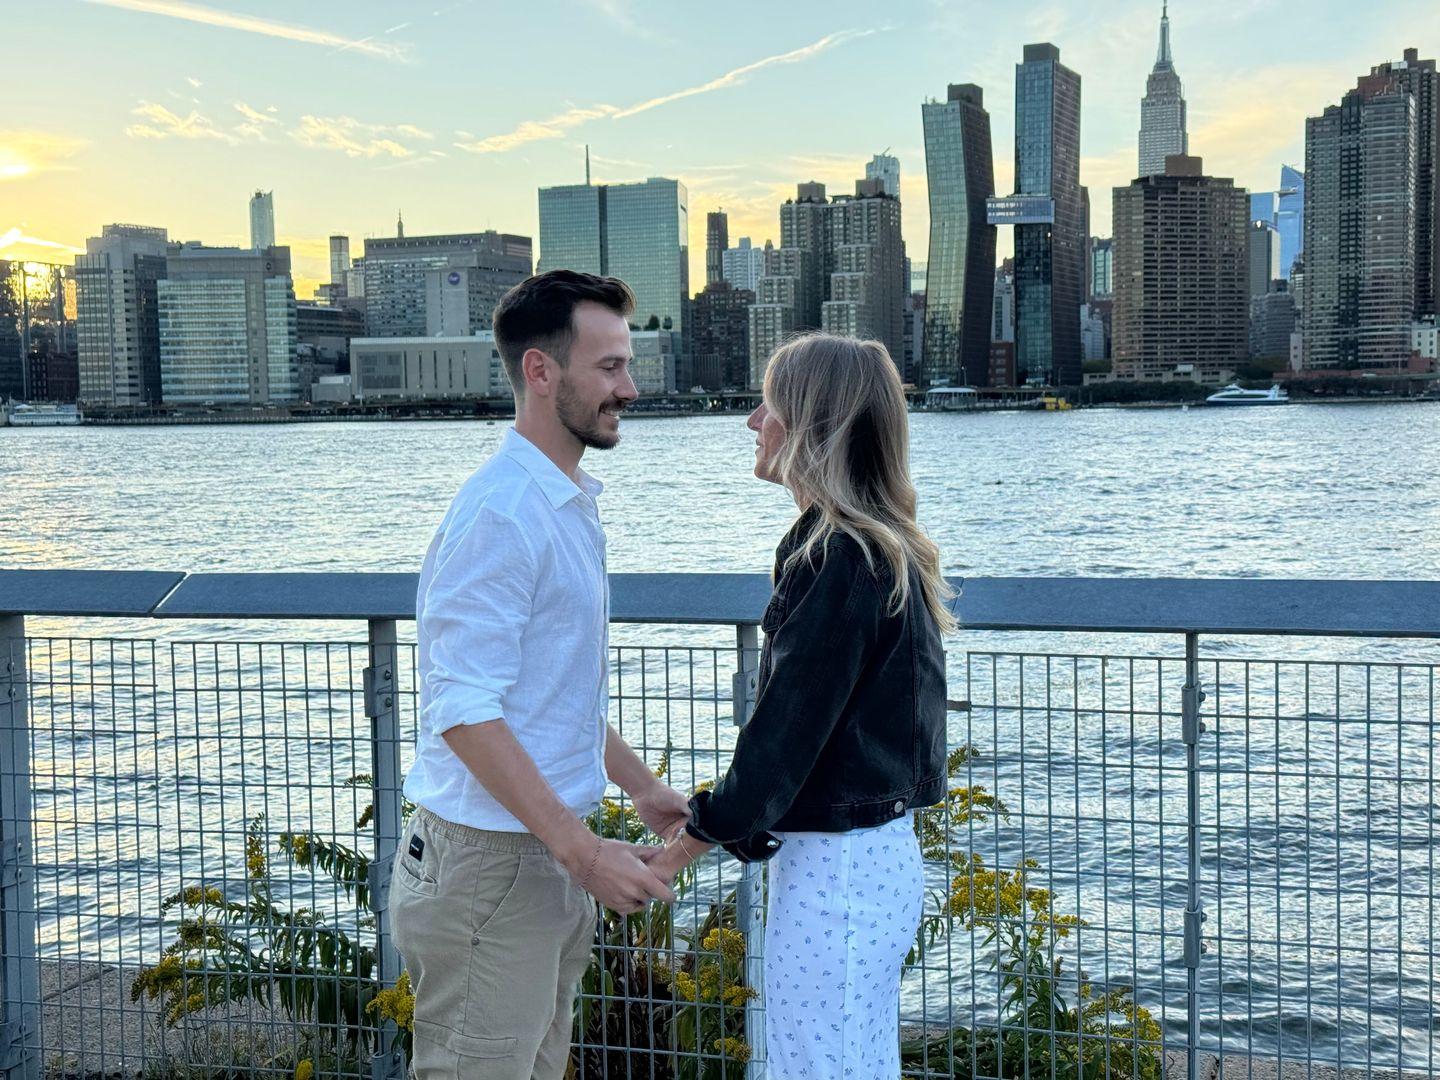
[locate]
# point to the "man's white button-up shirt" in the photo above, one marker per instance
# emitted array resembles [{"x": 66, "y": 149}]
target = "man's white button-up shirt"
[{"x": 512, "y": 622}]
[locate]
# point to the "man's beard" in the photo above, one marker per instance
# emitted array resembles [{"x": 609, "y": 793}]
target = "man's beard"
[{"x": 581, "y": 421}]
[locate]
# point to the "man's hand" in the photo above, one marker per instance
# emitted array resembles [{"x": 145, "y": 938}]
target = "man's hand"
[
  {"x": 663, "y": 810},
  {"x": 619, "y": 877},
  {"x": 669, "y": 862}
]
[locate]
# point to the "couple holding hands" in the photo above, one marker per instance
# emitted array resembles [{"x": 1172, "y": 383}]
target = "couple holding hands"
[{"x": 497, "y": 877}]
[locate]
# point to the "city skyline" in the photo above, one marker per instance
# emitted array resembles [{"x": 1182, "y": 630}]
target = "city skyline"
[{"x": 358, "y": 113}]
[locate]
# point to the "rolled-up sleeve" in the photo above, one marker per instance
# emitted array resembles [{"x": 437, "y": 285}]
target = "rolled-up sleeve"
[
  {"x": 475, "y": 608},
  {"x": 816, "y": 654}
]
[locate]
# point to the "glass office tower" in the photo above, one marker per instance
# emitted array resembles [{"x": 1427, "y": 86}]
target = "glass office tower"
[{"x": 1048, "y": 215}]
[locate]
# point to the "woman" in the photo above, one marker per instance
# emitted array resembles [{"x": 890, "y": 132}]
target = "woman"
[{"x": 847, "y": 735}]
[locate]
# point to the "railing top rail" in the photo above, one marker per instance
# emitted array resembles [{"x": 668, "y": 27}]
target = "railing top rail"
[
  {"x": 85, "y": 593},
  {"x": 1097, "y": 605}
]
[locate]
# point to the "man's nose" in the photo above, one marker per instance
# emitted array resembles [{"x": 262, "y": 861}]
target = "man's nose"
[{"x": 627, "y": 391}]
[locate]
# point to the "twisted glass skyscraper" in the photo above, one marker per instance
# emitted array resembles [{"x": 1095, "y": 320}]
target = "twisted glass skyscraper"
[{"x": 960, "y": 276}]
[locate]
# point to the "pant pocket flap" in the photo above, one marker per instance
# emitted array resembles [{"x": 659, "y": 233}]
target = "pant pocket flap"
[{"x": 476, "y": 1047}]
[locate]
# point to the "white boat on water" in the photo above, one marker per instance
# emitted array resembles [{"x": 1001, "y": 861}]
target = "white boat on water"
[
  {"x": 1235, "y": 394},
  {"x": 20, "y": 414}
]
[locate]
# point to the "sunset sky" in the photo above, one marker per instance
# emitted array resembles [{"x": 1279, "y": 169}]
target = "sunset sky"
[{"x": 167, "y": 112}]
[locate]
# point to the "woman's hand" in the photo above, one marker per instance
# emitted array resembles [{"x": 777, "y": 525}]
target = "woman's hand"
[{"x": 676, "y": 856}]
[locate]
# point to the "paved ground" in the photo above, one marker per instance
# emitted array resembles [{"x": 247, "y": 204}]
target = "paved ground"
[
  {"x": 90, "y": 1029},
  {"x": 87, "y": 1011}
]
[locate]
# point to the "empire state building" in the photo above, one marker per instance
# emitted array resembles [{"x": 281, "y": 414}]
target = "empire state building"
[{"x": 1162, "y": 110}]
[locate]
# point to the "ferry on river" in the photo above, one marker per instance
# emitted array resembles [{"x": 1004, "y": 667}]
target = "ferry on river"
[
  {"x": 19, "y": 414},
  {"x": 1235, "y": 394}
]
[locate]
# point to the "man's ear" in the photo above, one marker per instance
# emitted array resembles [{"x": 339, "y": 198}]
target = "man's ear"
[{"x": 538, "y": 370}]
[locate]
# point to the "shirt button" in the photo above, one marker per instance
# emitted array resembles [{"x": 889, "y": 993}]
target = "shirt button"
[{"x": 899, "y": 806}]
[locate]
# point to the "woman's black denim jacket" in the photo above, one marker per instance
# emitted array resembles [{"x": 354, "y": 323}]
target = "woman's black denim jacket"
[{"x": 848, "y": 729}]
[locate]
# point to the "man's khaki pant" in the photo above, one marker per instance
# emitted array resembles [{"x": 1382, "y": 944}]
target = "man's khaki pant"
[{"x": 495, "y": 936}]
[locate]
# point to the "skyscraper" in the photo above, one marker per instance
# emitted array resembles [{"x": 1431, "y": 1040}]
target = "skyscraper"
[
  {"x": 1102, "y": 268},
  {"x": 1421, "y": 80},
  {"x": 840, "y": 267},
  {"x": 744, "y": 264},
  {"x": 117, "y": 315},
  {"x": 262, "y": 220},
  {"x": 227, "y": 326},
  {"x": 1364, "y": 247},
  {"x": 960, "y": 275},
  {"x": 1046, "y": 211},
  {"x": 638, "y": 232},
  {"x": 717, "y": 239},
  {"x": 1181, "y": 307},
  {"x": 1002, "y": 324},
  {"x": 720, "y": 337},
  {"x": 885, "y": 168},
  {"x": 1162, "y": 109},
  {"x": 1263, "y": 258},
  {"x": 1284, "y": 208},
  {"x": 865, "y": 293},
  {"x": 339, "y": 261},
  {"x": 1290, "y": 218},
  {"x": 398, "y": 287}
]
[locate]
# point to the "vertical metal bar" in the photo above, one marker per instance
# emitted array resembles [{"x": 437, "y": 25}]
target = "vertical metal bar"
[
  {"x": 382, "y": 697},
  {"x": 1191, "y": 728},
  {"x": 749, "y": 894},
  {"x": 19, "y": 960}
]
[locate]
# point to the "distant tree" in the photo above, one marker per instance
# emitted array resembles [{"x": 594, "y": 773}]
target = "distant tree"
[{"x": 654, "y": 323}]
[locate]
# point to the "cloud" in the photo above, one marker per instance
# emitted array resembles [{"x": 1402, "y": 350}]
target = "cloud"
[
  {"x": 350, "y": 136},
  {"x": 17, "y": 245},
  {"x": 255, "y": 121},
  {"x": 252, "y": 24},
  {"x": 254, "y": 115},
  {"x": 194, "y": 82},
  {"x": 555, "y": 127},
  {"x": 28, "y": 153},
  {"x": 528, "y": 131},
  {"x": 412, "y": 131},
  {"x": 619, "y": 12},
  {"x": 160, "y": 123},
  {"x": 737, "y": 75}
]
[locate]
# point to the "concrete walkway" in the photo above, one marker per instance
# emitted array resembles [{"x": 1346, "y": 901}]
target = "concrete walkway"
[{"x": 91, "y": 1030}]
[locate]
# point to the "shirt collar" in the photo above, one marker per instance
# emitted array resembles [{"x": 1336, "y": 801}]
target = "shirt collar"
[{"x": 558, "y": 487}]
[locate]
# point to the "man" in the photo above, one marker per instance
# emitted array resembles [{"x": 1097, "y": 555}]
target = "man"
[{"x": 489, "y": 902}]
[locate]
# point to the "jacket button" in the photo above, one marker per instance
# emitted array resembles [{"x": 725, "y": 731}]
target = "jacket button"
[{"x": 899, "y": 806}]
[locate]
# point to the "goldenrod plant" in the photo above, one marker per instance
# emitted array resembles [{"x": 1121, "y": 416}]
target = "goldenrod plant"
[{"x": 1048, "y": 1023}]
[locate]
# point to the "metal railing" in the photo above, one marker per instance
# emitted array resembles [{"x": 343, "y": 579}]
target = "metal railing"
[{"x": 1148, "y": 864}]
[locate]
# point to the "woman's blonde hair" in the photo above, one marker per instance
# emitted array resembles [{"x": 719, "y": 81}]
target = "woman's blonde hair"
[{"x": 847, "y": 455}]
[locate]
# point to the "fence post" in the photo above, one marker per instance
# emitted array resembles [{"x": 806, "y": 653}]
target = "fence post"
[
  {"x": 19, "y": 960},
  {"x": 382, "y": 706},
  {"x": 1191, "y": 730},
  {"x": 750, "y": 895}
]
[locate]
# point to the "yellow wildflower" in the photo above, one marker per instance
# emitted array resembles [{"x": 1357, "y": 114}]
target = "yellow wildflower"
[
  {"x": 737, "y": 996},
  {"x": 254, "y": 856},
  {"x": 684, "y": 986},
  {"x": 728, "y": 943},
  {"x": 396, "y": 1004},
  {"x": 305, "y": 1070},
  {"x": 300, "y": 848},
  {"x": 733, "y": 1048}
]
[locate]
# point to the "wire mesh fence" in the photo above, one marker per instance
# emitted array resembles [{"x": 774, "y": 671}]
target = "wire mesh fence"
[{"x": 1145, "y": 866}]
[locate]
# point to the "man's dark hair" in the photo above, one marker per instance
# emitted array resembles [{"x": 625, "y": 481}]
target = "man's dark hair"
[{"x": 539, "y": 313}]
